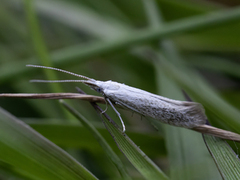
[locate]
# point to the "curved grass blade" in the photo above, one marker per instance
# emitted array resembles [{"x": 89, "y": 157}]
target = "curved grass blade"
[
  {"x": 39, "y": 44},
  {"x": 81, "y": 18},
  {"x": 226, "y": 160},
  {"x": 133, "y": 153},
  {"x": 108, "y": 150},
  {"x": 35, "y": 156}
]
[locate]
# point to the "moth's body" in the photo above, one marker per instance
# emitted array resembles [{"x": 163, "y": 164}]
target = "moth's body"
[{"x": 173, "y": 112}]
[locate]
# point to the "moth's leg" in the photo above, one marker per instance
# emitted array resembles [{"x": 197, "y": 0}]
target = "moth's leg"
[
  {"x": 106, "y": 106},
  {"x": 119, "y": 115}
]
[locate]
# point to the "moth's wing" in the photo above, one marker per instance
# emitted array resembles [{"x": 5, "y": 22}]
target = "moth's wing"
[
  {"x": 127, "y": 107},
  {"x": 196, "y": 110}
]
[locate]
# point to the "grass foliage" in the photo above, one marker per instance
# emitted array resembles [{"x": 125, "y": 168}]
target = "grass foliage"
[{"x": 160, "y": 46}]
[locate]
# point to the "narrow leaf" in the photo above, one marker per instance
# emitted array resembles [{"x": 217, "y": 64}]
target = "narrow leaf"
[
  {"x": 134, "y": 154},
  {"x": 108, "y": 150},
  {"x": 42, "y": 159},
  {"x": 226, "y": 160}
]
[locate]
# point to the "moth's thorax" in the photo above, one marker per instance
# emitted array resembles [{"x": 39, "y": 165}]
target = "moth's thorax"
[{"x": 108, "y": 85}]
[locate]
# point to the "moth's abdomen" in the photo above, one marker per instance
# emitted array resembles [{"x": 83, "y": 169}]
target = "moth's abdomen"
[
  {"x": 177, "y": 113},
  {"x": 191, "y": 116}
]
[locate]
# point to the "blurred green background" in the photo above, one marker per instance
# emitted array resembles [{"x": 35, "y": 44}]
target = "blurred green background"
[{"x": 161, "y": 46}]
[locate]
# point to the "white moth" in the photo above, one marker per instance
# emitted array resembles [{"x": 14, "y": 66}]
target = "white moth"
[{"x": 173, "y": 112}]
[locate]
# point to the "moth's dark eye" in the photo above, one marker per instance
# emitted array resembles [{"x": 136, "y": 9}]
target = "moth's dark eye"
[{"x": 99, "y": 90}]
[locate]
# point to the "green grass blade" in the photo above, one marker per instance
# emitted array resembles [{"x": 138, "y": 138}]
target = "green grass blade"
[
  {"x": 152, "y": 13},
  {"x": 111, "y": 9},
  {"x": 226, "y": 160},
  {"x": 133, "y": 153},
  {"x": 38, "y": 42},
  {"x": 73, "y": 54},
  {"x": 82, "y": 18},
  {"x": 213, "y": 63},
  {"x": 108, "y": 150},
  {"x": 42, "y": 159}
]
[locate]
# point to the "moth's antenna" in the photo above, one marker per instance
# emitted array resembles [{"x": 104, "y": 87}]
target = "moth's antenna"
[
  {"x": 61, "y": 70},
  {"x": 57, "y": 81}
]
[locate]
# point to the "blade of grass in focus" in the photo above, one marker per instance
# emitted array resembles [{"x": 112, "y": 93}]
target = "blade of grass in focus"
[
  {"x": 226, "y": 160},
  {"x": 42, "y": 159},
  {"x": 139, "y": 159},
  {"x": 103, "y": 143}
]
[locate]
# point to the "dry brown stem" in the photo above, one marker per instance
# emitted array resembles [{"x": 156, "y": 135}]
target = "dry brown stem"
[
  {"x": 205, "y": 129},
  {"x": 89, "y": 98}
]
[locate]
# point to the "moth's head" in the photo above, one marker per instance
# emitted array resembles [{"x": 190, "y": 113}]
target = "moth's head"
[{"x": 95, "y": 85}]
